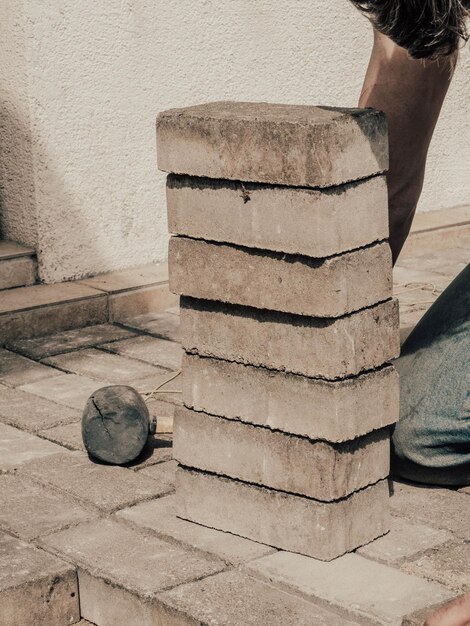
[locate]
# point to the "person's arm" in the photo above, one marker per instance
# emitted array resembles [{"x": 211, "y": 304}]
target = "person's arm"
[{"x": 410, "y": 92}]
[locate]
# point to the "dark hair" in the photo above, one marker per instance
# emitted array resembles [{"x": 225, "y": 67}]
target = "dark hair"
[{"x": 426, "y": 28}]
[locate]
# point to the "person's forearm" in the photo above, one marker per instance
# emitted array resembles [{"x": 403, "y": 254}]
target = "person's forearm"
[{"x": 410, "y": 92}]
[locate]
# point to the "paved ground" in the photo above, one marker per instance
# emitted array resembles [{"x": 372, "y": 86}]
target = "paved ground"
[{"x": 137, "y": 563}]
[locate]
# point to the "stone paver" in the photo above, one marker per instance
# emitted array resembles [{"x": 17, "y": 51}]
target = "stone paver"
[
  {"x": 363, "y": 587},
  {"x": 163, "y": 325},
  {"x": 70, "y": 340},
  {"x": 296, "y": 284},
  {"x": 29, "y": 412},
  {"x": 233, "y": 599},
  {"x": 433, "y": 506},
  {"x": 283, "y": 342},
  {"x": 164, "y": 473},
  {"x": 262, "y": 456},
  {"x": 160, "y": 517},
  {"x": 106, "y": 487},
  {"x": 29, "y": 510},
  {"x": 106, "y": 367},
  {"x": 123, "y": 280},
  {"x": 16, "y": 370},
  {"x": 323, "y": 530},
  {"x": 70, "y": 390},
  {"x": 447, "y": 564},
  {"x": 35, "y": 588},
  {"x": 136, "y": 562},
  {"x": 273, "y": 143},
  {"x": 158, "y": 352},
  {"x": 404, "y": 540},
  {"x": 66, "y": 435},
  {"x": 318, "y": 409},
  {"x": 319, "y": 223},
  {"x": 18, "y": 448},
  {"x": 126, "y": 305}
]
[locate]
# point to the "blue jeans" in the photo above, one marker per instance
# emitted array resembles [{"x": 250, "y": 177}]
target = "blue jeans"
[{"x": 431, "y": 442}]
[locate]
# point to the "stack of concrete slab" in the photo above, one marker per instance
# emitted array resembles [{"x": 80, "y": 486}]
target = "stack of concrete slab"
[{"x": 281, "y": 259}]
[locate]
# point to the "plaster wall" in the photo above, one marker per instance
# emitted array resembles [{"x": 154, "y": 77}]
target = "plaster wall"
[{"x": 84, "y": 81}]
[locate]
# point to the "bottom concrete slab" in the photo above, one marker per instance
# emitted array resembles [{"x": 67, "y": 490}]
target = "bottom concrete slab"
[
  {"x": 323, "y": 530},
  {"x": 36, "y": 589}
]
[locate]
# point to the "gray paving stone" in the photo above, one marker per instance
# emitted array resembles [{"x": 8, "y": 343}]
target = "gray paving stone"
[
  {"x": 433, "y": 506},
  {"x": 404, "y": 540},
  {"x": 445, "y": 564},
  {"x": 17, "y": 272},
  {"x": 126, "y": 305},
  {"x": 259, "y": 455},
  {"x": 318, "y": 409},
  {"x": 158, "y": 352},
  {"x": 30, "y": 510},
  {"x": 328, "y": 288},
  {"x": 319, "y": 223},
  {"x": 112, "y": 368},
  {"x": 159, "y": 516},
  {"x": 70, "y": 390},
  {"x": 106, "y": 487},
  {"x": 233, "y": 599},
  {"x": 30, "y": 412},
  {"x": 358, "y": 585},
  {"x": 67, "y": 435},
  {"x": 273, "y": 143},
  {"x": 323, "y": 530},
  {"x": 134, "y": 561},
  {"x": 17, "y": 370},
  {"x": 284, "y": 342},
  {"x": 164, "y": 473},
  {"x": 18, "y": 448},
  {"x": 70, "y": 340},
  {"x": 163, "y": 325},
  {"x": 36, "y": 589}
]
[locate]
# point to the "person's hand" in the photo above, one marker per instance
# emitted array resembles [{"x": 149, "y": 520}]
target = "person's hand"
[{"x": 454, "y": 613}]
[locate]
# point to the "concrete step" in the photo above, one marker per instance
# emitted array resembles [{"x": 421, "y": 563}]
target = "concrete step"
[{"x": 18, "y": 265}]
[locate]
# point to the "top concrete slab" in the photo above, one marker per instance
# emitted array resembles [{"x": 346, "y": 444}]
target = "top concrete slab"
[{"x": 273, "y": 143}]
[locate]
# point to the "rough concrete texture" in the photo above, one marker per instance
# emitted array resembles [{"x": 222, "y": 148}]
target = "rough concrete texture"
[
  {"x": 67, "y": 435},
  {"x": 361, "y": 587},
  {"x": 334, "y": 411},
  {"x": 16, "y": 370},
  {"x": 273, "y": 143},
  {"x": 272, "y": 280},
  {"x": 447, "y": 564},
  {"x": 124, "y": 306},
  {"x": 18, "y": 448},
  {"x": 29, "y": 412},
  {"x": 161, "y": 325},
  {"x": 234, "y": 598},
  {"x": 323, "y": 530},
  {"x": 159, "y": 516},
  {"x": 30, "y": 510},
  {"x": 319, "y": 348},
  {"x": 295, "y": 220},
  {"x": 35, "y": 588},
  {"x": 104, "y": 486},
  {"x": 17, "y": 272},
  {"x": 137, "y": 561},
  {"x": 70, "y": 340},
  {"x": 164, "y": 473},
  {"x": 261, "y": 456},
  {"x": 405, "y": 540},
  {"x": 149, "y": 349},
  {"x": 450, "y": 509}
]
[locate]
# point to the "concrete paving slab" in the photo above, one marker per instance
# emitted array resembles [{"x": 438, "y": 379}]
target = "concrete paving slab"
[
  {"x": 123, "y": 280},
  {"x": 159, "y": 516},
  {"x": 323, "y": 530},
  {"x": 67, "y": 435},
  {"x": 35, "y": 587},
  {"x": 18, "y": 448},
  {"x": 405, "y": 540},
  {"x": 30, "y": 412},
  {"x": 357, "y": 585},
  {"x": 17, "y": 272},
  {"x": 70, "y": 340},
  {"x": 16, "y": 370},
  {"x": 126, "y": 305},
  {"x": 334, "y": 411},
  {"x": 162, "y": 325},
  {"x": 446, "y": 564},
  {"x": 318, "y": 223},
  {"x": 70, "y": 390},
  {"x": 158, "y": 352},
  {"x": 281, "y": 341},
  {"x": 261, "y": 456},
  {"x": 233, "y": 598},
  {"x": 434, "y": 506},
  {"x": 164, "y": 473},
  {"x": 106, "y": 487},
  {"x": 30, "y": 510}
]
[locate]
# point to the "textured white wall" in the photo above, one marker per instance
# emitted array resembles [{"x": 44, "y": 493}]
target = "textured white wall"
[{"x": 85, "y": 80}]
